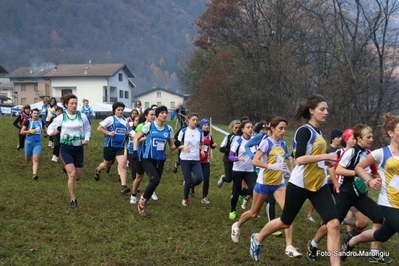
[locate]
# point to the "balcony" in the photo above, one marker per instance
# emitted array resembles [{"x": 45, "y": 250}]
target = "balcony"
[{"x": 112, "y": 100}]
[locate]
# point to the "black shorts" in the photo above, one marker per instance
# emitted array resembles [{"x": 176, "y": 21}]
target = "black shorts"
[
  {"x": 110, "y": 153},
  {"x": 139, "y": 168}
]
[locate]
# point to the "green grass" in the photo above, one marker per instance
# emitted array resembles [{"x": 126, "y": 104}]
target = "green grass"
[{"x": 37, "y": 227}]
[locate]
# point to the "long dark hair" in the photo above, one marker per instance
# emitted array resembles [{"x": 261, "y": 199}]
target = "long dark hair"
[{"x": 302, "y": 109}]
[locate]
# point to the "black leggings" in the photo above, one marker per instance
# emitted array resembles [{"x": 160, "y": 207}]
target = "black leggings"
[
  {"x": 22, "y": 141},
  {"x": 249, "y": 178},
  {"x": 132, "y": 165},
  {"x": 228, "y": 172},
  {"x": 363, "y": 203},
  {"x": 271, "y": 206},
  {"x": 206, "y": 172},
  {"x": 154, "y": 169},
  {"x": 390, "y": 226},
  {"x": 321, "y": 199}
]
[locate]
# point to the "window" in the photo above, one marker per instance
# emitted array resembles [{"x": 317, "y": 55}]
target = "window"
[
  {"x": 146, "y": 105},
  {"x": 65, "y": 91},
  {"x": 120, "y": 77},
  {"x": 159, "y": 94},
  {"x": 172, "y": 105},
  {"x": 47, "y": 89},
  {"x": 121, "y": 94},
  {"x": 23, "y": 87},
  {"x": 159, "y": 103},
  {"x": 35, "y": 87},
  {"x": 23, "y": 101},
  {"x": 126, "y": 95}
]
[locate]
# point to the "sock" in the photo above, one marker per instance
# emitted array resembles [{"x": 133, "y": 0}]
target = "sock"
[
  {"x": 374, "y": 250},
  {"x": 354, "y": 232},
  {"x": 314, "y": 244},
  {"x": 134, "y": 195},
  {"x": 288, "y": 247}
]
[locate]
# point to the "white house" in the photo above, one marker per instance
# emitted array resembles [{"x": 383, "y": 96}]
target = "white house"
[
  {"x": 160, "y": 96},
  {"x": 99, "y": 83}
]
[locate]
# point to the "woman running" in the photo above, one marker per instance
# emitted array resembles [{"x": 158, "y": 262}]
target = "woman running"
[
  {"x": 387, "y": 160},
  {"x": 308, "y": 179},
  {"x": 146, "y": 117},
  {"x": 242, "y": 167},
  {"x": 270, "y": 159},
  {"x": 87, "y": 110},
  {"x": 191, "y": 141},
  {"x": 353, "y": 191},
  {"x": 75, "y": 133},
  {"x": 225, "y": 148},
  {"x": 21, "y": 119},
  {"x": 158, "y": 134},
  {"x": 115, "y": 131},
  {"x": 32, "y": 128}
]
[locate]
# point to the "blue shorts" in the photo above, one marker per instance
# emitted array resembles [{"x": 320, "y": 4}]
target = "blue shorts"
[
  {"x": 72, "y": 154},
  {"x": 266, "y": 189},
  {"x": 33, "y": 148}
]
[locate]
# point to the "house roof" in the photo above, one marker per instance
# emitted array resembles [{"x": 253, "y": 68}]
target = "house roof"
[
  {"x": 88, "y": 70},
  {"x": 2, "y": 70},
  {"x": 28, "y": 72},
  {"x": 158, "y": 89}
]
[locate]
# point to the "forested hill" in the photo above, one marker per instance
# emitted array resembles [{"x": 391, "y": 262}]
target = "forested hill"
[{"x": 150, "y": 36}]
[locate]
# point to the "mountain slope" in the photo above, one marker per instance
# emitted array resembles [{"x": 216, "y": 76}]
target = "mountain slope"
[{"x": 151, "y": 37}]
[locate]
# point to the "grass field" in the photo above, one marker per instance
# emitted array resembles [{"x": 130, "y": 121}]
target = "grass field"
[{"x": 37, "y": 226}]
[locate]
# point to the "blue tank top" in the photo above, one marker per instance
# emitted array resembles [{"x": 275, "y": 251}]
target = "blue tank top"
[
  {"x": 87, "y": 111},
  {"x": 118, "y": 140},
  {"x": 155, "y": 143},
  {"x": 37, "y": 137}
]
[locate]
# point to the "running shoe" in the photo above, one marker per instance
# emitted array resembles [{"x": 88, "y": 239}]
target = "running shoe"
[
  {"x": 310, "y": 218},
  {"x": 235, "y": 232},
  {"x": 346, "y": 248},
  {"x": 192, "y": 191},
  {"x": 254, "y": 250},
  {"x": 141, "y": 205},
  {"x": 133, "y": 199},
  {"x": 205, "y": 200},
  {"x": 97, "y": 175},
  {"x": 232, "y": 215},
  {"x": 220, "y": 181},
  {"x": 292, "y": 252},
  {"x": 379, "y": 259},
  {"x": 244, "y": 204},
  {"x": 184, "y": 202},
  {"x": 312, "y": 251},
  {"x": 175, "y": 167},
  {"x": 18, "y": 148},
  {"x": 125, "y": 189},
  {"x": 74, "y": 204},
  {"x": 277, "y": 233},
  {"x": 35, "y": 177},
  {"x": 154, "y": 196}
]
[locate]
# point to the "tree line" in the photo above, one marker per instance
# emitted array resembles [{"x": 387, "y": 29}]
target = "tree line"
[{"x": 261, "y": 57}]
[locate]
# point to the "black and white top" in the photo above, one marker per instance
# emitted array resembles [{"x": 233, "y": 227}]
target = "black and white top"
[{"x": 349, "y": 160}]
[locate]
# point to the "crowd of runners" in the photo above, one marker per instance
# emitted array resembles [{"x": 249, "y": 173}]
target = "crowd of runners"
[{"x": 335, "y": 178}]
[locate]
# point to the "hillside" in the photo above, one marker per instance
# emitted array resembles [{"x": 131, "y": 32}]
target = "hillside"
[{"x": 151, "y": 37}]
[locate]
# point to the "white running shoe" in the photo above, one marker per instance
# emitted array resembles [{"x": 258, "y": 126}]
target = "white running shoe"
[
  {"x": 54, "y": 159},
  {"x": 235, "y": 233},
  {"x": 292, "y": 252},
  {"x": 244, "y": 204},
  {"x": 205, "y": 200},
  {"x": 133, "y": 199},
  {"x": 220, "y": 181},
  {"x": 154, "y": 196},
  {"x": 50, "y": 144},
  {"x": 310, "y": 218}
]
